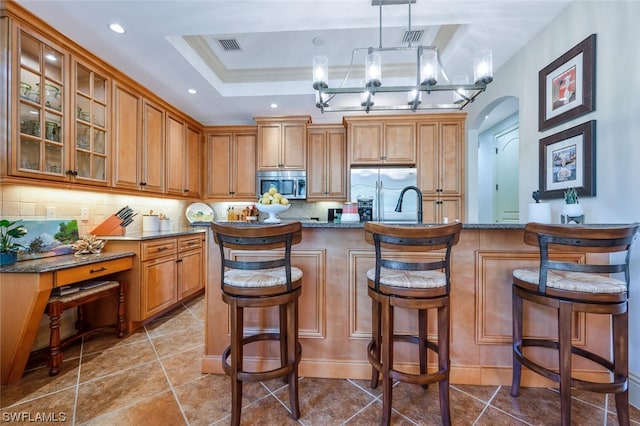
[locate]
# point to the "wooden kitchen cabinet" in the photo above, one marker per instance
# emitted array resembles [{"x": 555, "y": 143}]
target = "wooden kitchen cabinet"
[
  {"x": 152, "y": 159},
  {"x": 127, "y": 145},
  {"x": 282, "y": 142},
  {"x": 231, "y": 163},
  {"x": 381, "y": 141},
  {"x": 39, "y": 110},
  {"x": 61, "y": 107},
  {"x": 166, "y": 271},
  {"x": 91, "y": 138},
  {"x": 326, "y": 162},
  {"x": 183, "y": 158},
  {"x": 139, "y": 142},
  {"x": 441, "y": 166}
]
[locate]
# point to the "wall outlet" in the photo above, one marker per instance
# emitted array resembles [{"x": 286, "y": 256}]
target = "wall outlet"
[
  {"x": 51, "y": 212},
  {"x": 84, "y": 213}
]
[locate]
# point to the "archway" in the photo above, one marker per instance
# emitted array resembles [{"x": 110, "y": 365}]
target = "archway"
[{"x": 497, "y": 131}]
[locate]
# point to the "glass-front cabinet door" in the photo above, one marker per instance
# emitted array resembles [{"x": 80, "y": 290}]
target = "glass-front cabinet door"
[
  {"x": 90, "y": 150},
  {"x": 41, "y": 140}
]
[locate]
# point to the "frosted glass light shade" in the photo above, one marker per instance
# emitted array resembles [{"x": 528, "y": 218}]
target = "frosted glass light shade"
[
  {"x": 429, "y": 67},
  {"x": 373, "y": 70},
  {"x": 460, "y": 94},
  {"x": 320, "y": 72},
  {"x": 483, "y": 66}
]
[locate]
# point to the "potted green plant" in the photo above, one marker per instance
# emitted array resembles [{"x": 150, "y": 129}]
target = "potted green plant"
[
  {"x": 572, "y": 211},
  {"x": 8, "y": 248}
]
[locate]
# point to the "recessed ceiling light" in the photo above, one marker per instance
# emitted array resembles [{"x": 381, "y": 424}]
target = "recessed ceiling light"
[
  {"x": 192, "y": 91},
  {"x": 117, "y": 28},
  {"x": 274, "y": 105}
]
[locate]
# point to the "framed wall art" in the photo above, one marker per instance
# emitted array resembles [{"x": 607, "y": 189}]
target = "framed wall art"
[
  {"x": 567, "y": 86},
  {"x": 567, "y": 160}
]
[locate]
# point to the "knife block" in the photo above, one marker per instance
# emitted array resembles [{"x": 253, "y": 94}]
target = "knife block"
[{"x": 111, "y": 226}]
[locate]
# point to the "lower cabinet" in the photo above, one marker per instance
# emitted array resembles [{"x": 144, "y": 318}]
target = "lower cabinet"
[{"x": 166, "y": 270}]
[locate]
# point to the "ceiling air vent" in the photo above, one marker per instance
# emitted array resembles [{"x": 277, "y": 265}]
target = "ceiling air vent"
[
  {"x": 229, "y": 44},
  {"x": 411, "y": 37}
]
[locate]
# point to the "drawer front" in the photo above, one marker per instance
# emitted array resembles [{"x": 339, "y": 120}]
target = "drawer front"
[
  {"x": 157, "y": 248},
  {"x": 95, "y": 270},
  {"x": 190, "y": 243}
]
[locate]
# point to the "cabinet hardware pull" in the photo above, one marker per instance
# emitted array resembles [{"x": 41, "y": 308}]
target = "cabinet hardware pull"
[
  {"x": 162, "y": 248},
  {"x": 93, "y": 271},
  {"x": 179, "y": 261},
  {"x": 185, "y": 190}
]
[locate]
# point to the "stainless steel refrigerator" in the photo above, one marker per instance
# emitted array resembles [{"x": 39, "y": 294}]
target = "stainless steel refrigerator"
[{"x": 383, "y": 186}]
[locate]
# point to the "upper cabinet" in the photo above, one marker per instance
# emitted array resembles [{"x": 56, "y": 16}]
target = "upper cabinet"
[
  {"x": 441, "y": 148},
  {"x": 326, "y": 163},
  {"x": 41, "y": 142},
  {"x": 62, "y": 108},
  {"x": 381, "y": 140},
  {"x": 230, "y": 166},
  {"x": 90, "y": 153},
  {"x": 282, "y": 142},
  {"x": 183, "y": 158},
  {"x": 441, "y": 166},
  {"x": 152, "y": 160},
  {"x": 75, "y": 119}
]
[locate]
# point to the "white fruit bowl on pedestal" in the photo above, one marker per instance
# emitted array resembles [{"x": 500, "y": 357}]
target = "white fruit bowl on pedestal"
[{"x": 272, "y": 210}]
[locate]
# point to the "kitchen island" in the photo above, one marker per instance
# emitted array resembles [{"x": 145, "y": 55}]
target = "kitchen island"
[{"x": 335, "y": 309}]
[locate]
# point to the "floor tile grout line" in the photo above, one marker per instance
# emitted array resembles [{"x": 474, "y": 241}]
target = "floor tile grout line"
[
  {"x": 77, "y": 392},
  {"x": 166, "y": 376}
]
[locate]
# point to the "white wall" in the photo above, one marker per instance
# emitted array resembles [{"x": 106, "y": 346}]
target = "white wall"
[{"x": 617, "y": 115}]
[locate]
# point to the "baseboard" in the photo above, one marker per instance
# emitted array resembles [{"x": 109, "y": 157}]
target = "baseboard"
[{"x": 634, "y": 390}]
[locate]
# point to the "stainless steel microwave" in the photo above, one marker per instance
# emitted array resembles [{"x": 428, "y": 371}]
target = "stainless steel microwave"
[{"x": 291, "y": 184}]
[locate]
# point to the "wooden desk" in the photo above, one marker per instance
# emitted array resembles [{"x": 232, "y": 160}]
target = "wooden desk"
[{"x": 25, "y": 288}]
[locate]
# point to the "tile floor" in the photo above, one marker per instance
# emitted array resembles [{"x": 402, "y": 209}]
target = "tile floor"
[{"x": 152, "y": 377}]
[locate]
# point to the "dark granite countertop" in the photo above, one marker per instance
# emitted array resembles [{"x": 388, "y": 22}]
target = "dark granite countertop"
[
  {"x": 360, "y": 225},
  {"x": 139, "y": 236},
  {"x": 55, "y": 263}
]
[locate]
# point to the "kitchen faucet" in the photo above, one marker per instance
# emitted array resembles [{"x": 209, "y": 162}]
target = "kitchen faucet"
[{"x": 399, "y": 205}]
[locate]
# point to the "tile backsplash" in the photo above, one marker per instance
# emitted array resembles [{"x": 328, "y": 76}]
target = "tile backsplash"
[{"x": 33, "y": 203}]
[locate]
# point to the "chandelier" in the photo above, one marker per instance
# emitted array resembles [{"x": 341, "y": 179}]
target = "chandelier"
[{"x": 428, "y": 68}]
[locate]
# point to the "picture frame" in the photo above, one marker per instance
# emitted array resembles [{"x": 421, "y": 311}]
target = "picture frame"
[
  {"x": 567, "y": 86},
  {"x": 567, "y": 160}
]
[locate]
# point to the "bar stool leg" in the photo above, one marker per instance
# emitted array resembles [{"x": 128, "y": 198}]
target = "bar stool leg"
[
  {"x": 121, "y": 325},
  {"x": 564, "y": 337},
  {"x": 444, "y": 362},
  {"x": 237, "y": 336},
  {"x": 55, "y": 353},
  {"x": 284, "y": 334},
  {"x": 291, "y": 313},
  {"x": 621, "y": 363},
  {"x": 423, "y": 316},
  {"x": 375, "y": 339},
  {"x": 517, "y": 305},
  {"x": 387, "y": 361}
]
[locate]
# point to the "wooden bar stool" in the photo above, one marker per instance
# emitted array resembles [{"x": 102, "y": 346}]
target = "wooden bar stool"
[
  {"x": 420, "y": 285},
  {"x": 88, "y": 292},
  {"x": 576, "y": 287},
  {"x": 259, "y": 284}
]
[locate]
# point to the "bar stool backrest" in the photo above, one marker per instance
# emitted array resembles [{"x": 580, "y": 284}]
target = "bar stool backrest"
[
  {"x": 412, "y": 239},
  {"x": 257, "y": 237},
  {"x": 581, "y": 239}
]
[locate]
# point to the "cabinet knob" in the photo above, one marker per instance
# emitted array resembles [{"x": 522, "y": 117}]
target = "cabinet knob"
[
  {"x": 185, "y": 190},
  {"x": 143, "y": 183}
]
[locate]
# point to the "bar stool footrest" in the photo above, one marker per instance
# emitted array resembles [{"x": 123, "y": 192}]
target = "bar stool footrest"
[
  {"x": 618, "y": 385},
  {"x": 247, "y": 376}
]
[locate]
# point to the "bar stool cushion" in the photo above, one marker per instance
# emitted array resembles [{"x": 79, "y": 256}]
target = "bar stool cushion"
[
  {"x": 409, "y": 279},
  {"x": 260, "y": 277},
  {"x": 572, "y": 281}
]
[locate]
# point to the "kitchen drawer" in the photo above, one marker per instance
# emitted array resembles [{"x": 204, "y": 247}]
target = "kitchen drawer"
[
  {"x": 158, "y": 248},
  {"x": 190, "y": 243},
  {"x": 92, "y": 271}
]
